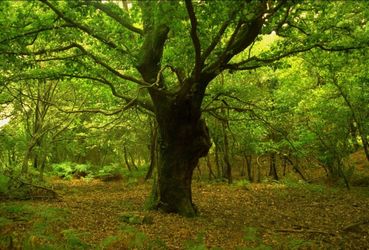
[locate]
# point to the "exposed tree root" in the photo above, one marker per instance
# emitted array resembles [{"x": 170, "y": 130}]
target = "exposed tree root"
[
  {"x": 293, "y": 230},
  {"x": 33, "y": 191},
  {"x": 355, "y": 226}
]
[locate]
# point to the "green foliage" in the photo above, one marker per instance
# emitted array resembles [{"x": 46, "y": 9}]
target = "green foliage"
[
  {"x": 197, "y": 244},
  {"x": 68, "y": 170},
  {"x": 107, "y": 242},
  {"x": 73, "y": 239},
  {"x": 59, "y": 57},
  {"x": 296, "y": 244},
  {"x": 138, "y": 240},
  {"x": 243, "y": 183},
  {"x": 251, "y": 234},
  {"x": 4, "y": 184},
  {"x": 63, "y": 170},
  {"x": 15, "y": 208},
  {"x": 4, "y": 221},
  {"x": 304, "y": 186},
  {"x": 110, "y": 172},
  {"x": 42, "y": 221}
]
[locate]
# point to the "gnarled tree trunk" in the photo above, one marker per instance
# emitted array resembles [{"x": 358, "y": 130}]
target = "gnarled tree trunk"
[{"x": 183, "y": 140}]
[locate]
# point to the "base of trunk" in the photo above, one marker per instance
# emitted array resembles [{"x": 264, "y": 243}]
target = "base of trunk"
[
  {"x": 185, "y": 208},
  {"x": 182, "y": 141},
  {"x": 179, "y": 205}
]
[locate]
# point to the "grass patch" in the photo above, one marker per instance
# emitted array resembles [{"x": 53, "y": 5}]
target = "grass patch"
[
  {"x": 41, "y": 224},
  {"x": 197, "y": 244},
  {"x": 73, "y": 239},
  {"x": 299, "y": 184},
  {"x": 135, "y": 239}
]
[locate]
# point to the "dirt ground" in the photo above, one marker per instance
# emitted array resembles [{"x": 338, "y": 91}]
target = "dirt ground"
[{"x": 251, "y": 216}]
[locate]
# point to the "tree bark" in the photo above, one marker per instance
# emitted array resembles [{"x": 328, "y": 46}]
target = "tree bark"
[
  {"x": 228, "y": 167},
  {"x": 273, "y": 166},
  {"x": 249, "y": 167},
  {"x": 210, "y": 169},
  {"x": 218, "y": 160},
  {"x": 126, "y": 158},
  {"x": 153, "y": 150},
  {"x": 183, "y": 140}
]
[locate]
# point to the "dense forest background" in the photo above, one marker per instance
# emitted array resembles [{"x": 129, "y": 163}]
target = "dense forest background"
[
  {"x": 306, "y": 111},
  {"x": 85, "y": 88}
]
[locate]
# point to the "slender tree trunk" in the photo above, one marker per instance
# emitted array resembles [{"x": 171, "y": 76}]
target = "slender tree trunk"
[
  {"x": 126, "y": 158},
  {"x": 228, "y": 167},
  {"x": 353, "y": 133},
  {"x": 296, "y": 168},
  {"x": 249, "y": 167},
  {"x": 26, "y": 158},
  {"x": 217, "y": 161},
  {"x": 273, "y": 166},
  {"x": 356, "y": 118},
  {"x": 284, "y": 164},
  {"x": 243, "y": 167},
  {"x": 259, "y": 169},
  {"x": 210, "y": 169},
  {"x": 132, "y": 161}
]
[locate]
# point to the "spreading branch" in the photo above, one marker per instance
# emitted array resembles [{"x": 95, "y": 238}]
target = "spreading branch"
[
  {"x": 257, "y": 62},
  {"x": 195, "y": 39},
  {"x": 42, "y": 51},
  {"x": 109, "y": 68},
  {"x": 118, "y": 18},
  {"x": 36, "y": 32},
  {"x": 84, "y": 28},
  {"x": 131, "y": 101},
  {"x": 244, "y": 35},
  {"x": 219, "y": 35}
]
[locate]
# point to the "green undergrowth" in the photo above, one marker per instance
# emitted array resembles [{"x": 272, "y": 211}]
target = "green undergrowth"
[
  {"x": 287, "y": 183},
  {"x": 254, "y": 241},
  {"x": 70, "y": 170},
  {"x": 46, "y": 228},
  {"x": 40, "y": 225}
]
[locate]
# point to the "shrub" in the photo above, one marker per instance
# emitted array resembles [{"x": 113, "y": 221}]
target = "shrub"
[
  {"x": 110, "y": 173},
  {"x": 4, "y": 185},
  {"x": 69, "y": 170},
  {"x": 63, "y": 170},
  {"x": 81, "y": 170}
]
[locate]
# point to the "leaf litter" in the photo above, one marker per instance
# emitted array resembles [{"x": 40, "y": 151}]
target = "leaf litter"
[{"x": 260, "y": 216}]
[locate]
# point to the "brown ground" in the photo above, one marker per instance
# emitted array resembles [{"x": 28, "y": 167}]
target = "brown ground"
[{"x": 255, "y": 216}]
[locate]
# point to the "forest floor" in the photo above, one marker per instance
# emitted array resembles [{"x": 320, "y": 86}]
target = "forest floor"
[{"x": 91, "y": 215}]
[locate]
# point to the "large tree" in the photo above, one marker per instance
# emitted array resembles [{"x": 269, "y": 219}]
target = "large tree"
[{"x": 162, "y": 55}]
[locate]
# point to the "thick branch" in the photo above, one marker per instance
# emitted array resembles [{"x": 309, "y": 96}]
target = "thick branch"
[
  {"x": 42, "y": 51},
  {"x": 130, "y": 100},
  {"x": 35, "y": 32},
  {"x": 244, "y": 34},
  {"x": 119, "y": 18},
  {"x": 83, "y": 28},
  {"x": 195, "y": 39},
  {"x": 152, "y": 52},
  {"x": 256, "y": 62},
  {"x": 218, "y": 36},
  {"x": 109, "y": 68},
  {"x": 61, "y": 58},
  {"x": 104, "y": 81}
]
